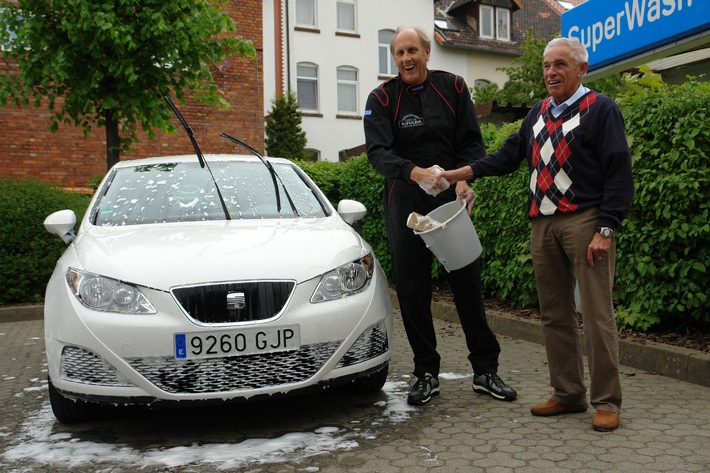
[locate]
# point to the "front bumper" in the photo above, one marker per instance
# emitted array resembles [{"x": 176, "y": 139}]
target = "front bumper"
[{"x": 114, "y": 358}]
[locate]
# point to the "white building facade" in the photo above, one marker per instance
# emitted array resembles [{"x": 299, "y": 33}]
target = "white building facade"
[{"x": 331, "y": 54}]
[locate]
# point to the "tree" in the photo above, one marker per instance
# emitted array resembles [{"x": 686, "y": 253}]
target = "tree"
[
  {"x": 284, "y": 136},
  {"x": 525, "y": 83},
  {"x": 110, "y": 63}
]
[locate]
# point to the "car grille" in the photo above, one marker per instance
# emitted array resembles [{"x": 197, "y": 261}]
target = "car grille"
[
  {"x": 82, "y": 366},
  {"x": 212, "y": 375},
  {"x": 370, "y": 344},
  {"x": 251, "y": 301}
]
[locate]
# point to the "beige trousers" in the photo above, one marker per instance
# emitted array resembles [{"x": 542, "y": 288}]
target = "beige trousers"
[{"x": 559, "y": 251}]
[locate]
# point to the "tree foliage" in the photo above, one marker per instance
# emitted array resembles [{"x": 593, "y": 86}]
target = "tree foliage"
[
  {"x": 110, "y": 63},
  {"x": 525, "y": 84},
  {"x": 284, "y": 136},
  {"x": 664, "y": 250}
]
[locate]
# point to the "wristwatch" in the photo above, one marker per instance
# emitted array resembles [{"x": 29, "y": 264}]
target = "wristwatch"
[{"x": 606, "y": 232}]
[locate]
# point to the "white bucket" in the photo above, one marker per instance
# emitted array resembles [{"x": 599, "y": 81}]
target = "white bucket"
[{"x": 455, "y": 242}]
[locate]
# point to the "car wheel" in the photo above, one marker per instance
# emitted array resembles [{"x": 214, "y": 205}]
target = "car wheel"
[
  {"x": 372, "y": 382},
  {"x": 68, "y": 410}
]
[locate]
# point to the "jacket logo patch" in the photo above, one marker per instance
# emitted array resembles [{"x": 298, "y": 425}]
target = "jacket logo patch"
[{"x": 411, "y": 121}]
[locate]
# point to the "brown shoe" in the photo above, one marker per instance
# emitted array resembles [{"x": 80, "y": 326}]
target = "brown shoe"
[
  {"x": 553, "y": 408},
  {"x": 605, "y": 421}
]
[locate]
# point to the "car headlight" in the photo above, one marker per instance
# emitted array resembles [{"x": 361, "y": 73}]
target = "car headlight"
[
  {"x": 106, "y": 294},
  {"x": 346, "y": 280}
]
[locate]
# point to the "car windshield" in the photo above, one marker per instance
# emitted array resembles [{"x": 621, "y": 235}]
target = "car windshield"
[{"x": 185, "y": 192}]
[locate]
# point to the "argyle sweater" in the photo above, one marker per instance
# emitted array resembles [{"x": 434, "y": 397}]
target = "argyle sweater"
[{"x": 577, "y": 161}]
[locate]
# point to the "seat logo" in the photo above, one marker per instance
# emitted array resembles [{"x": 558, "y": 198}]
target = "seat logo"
[{"x": 236, "y": 301}]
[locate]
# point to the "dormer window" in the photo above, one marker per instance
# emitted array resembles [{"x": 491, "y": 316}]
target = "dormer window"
[{"x": 494, "y": 23}]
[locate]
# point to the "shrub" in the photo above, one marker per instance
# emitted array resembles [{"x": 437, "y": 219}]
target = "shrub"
[
  {"x": 326, "y": 175},
  {"x": 501, "y": 222},
  {"x": 284, "y": 135},
  {"x": 663, "y": 250},
  {"x": 29, "y": 252},
  {"x": 360, "y": 182}
]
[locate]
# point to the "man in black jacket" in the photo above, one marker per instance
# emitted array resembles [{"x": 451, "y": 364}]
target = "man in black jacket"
[{"x": 417, "y": 124}]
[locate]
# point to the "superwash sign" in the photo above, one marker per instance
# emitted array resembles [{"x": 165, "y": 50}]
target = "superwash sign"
[{"x": 614, "y": 30}]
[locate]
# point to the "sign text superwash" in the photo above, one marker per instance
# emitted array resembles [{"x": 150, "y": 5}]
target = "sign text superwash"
[
  {"x": 634, "y": 15},
  {"x": 619, "y": 31}
]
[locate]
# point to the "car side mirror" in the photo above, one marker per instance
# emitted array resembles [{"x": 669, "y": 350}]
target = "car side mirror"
[
  {"x": 62, "y": 223},
  {"x": 351, "y": 210}
]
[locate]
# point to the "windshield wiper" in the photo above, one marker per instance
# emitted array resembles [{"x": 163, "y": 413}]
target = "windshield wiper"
[
  {"x": 271, "y": 169},
  {"x": 198, "y": 152}
]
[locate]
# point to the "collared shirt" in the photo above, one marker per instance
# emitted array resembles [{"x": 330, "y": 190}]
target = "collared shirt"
[{"x": 558, "y": 109}]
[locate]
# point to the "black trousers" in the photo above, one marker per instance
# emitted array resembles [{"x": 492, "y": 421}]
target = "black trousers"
[{"x": 412, "y": 266}]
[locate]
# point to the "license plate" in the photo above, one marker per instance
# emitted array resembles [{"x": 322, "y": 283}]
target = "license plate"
[{"x": 246, "y": 341}]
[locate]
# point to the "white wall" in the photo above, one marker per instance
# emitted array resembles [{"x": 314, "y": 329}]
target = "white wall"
[
  {"x": 483, "y": 66},
  {"x": 327, "y": 133}
]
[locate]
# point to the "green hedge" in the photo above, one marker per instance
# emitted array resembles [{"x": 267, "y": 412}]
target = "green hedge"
[
  {"x": 500, "y": 218},
  {"x": 662, "y": 252},
  {"x": 664, "y": 249},
  {"x": 29, "y": 252}
]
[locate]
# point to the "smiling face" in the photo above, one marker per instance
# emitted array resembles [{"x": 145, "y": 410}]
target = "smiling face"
[
  {"x": 562, "y": 73},
  {"x": 410, "y": 56}
]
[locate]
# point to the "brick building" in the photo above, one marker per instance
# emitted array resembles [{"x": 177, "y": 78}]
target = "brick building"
[{"x": 68, "y": 159}]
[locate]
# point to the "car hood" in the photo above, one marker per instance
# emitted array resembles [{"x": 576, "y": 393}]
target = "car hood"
[{"x": 171, "y": 254}]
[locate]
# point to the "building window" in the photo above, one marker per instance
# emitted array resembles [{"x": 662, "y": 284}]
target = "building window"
[
  {"x": 307, "y": 86},
  {"x": 347, "y": 90},
  {"x": 480, "y": 83},
  {"x": 312, "y": 154},
  {"x": 346, "y": 16},
  {"x": 306, "y": 13},
  {"x": 494, "y": 23},
  {"x": 486, "y": 21},
  {"x": 387, "y": 65},
  {"x": 503, "y": 24}
]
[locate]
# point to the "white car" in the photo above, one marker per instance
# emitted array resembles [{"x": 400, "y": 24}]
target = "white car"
[{"x": 165, "y": 294}]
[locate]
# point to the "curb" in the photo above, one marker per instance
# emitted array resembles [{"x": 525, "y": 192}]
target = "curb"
[
  {"x": 21, "y": 313},
  {"x": 674, "y": 362},
  {"x": 666, "y": 360}
]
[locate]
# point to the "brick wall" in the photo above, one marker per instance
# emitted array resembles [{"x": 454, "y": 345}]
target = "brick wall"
[{"x": 66, "y": 158}]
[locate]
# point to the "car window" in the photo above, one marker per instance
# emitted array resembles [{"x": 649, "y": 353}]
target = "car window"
[{"x": 184, "y": 192}]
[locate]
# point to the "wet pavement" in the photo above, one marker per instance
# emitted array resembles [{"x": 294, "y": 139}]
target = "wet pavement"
[{"x": 665, "y": 424}]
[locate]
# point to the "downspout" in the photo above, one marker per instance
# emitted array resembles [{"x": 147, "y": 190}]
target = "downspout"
[
  {"x": 278, "y": 47},
  {"x": 288, "y": 49}
]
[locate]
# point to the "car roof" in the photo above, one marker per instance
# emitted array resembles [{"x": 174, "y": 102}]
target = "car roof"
[{"x": 187, "y": 158}]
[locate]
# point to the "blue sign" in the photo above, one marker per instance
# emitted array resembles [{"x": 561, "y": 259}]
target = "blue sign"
[{"x": 614, "y": 30}]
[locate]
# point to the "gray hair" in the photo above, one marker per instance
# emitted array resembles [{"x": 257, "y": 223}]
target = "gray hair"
[
  {"x": 423, "y": 37},
  {"x": 577, "y": 49}
]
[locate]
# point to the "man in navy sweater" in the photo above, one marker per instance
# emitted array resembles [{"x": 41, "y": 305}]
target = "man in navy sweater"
[
  {"x": 580, "y": 189},
  {"x": 414, "y": 122}
]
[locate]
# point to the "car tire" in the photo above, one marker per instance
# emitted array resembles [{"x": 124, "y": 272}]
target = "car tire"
[
  {"x": 372, "y": 382},
  {"x": 69, "y": 411}
]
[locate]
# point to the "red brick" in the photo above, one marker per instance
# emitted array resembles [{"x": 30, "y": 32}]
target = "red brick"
[{"x": 68, "y": 159}]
